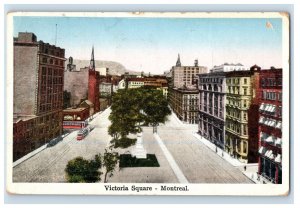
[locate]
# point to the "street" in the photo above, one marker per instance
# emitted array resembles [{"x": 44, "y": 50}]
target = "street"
[{"x": 185, "y": 155}]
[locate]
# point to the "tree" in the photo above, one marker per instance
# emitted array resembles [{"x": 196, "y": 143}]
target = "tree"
[
  {"x": 133, "y": 107},
  {"x": 155, "y": 106},
  {"x": 125, "y": 113},
  {"x": 110, "y": 160},
  {"x": 80, "y": 170}
]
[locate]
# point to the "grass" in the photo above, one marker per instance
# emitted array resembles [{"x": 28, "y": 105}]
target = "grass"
[{"x": 126, "y": 161}]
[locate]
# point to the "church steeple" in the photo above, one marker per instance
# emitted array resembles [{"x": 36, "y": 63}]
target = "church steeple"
[
  {"x": 178, "y": 63},
  {"x": 92, "y": 61}
]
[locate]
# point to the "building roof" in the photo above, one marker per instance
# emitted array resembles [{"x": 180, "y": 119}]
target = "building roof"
[
  {"x": 18, "y": 118},
  {"x": 87, "y": 102},
  {"x": 187, "y": 90},
  {"x": 74, "y": 109}
]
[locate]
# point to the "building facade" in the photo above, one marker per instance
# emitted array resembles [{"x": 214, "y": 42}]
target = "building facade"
[
  {"x": 38, "y": 93},
  {"x": 212, "y": 96},
  {"x": 183, "y": 94},
  {"x": 240, "y": 94},
  {"x": 226, "y": 67},
  {"x": 270, "y": 125},
  {"x": 159, "y": 82},
  {"x": 75, "y": 118},
  {"x": 184, "y": 103},
  {"x": 76, "y": 83},
  {"x": 184, "y": 76}
]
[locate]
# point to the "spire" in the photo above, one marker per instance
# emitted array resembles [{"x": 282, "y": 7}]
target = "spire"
[
  {"x": 92, "y": 61},
  {"x": 178, "y": 63}
]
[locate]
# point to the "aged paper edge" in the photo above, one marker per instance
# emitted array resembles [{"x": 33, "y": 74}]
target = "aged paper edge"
[{"x": 194, "y": 189}]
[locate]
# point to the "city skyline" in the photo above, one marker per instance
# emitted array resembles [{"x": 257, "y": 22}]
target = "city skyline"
[{"x": 152, "y": 44}]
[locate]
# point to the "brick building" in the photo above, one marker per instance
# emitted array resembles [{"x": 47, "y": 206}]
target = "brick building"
[
  {"x": 270, "y": 125},
  {"x": 212, "y": 88},
  {"x": 38, "y": 93}
]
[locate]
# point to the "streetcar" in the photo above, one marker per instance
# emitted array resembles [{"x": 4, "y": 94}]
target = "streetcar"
[{"x": 83, "y": 133}]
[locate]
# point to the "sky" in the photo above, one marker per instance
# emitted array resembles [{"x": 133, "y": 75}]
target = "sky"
[{"x": 153, "y": 44}]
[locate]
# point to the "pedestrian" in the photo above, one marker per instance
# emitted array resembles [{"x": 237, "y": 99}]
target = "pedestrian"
[{"x": 245, "y": 168}]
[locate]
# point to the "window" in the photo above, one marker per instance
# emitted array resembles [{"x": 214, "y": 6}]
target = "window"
[
  {"x": 279, "y": 96},
  {"x": 245, "y": 147},
  {"x": 245, "y": 81},
  {"x": 245, "y": 91},
  {"x": 279, "y": 82},
  {"x": 279, "y": 111},
  {"x": 262, "y": 82},
  {"x": 44, "y": 60}
]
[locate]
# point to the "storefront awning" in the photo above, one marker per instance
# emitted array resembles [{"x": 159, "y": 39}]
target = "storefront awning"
[
  {"x": 270, "y": 139},
  {"x": 278, "y": 125},
  {"x": 278, "y": 141},
  {"x": 278, "y": 158},
  {"x": 262, "y": 150},
  {"x": 262, "y": 107}
]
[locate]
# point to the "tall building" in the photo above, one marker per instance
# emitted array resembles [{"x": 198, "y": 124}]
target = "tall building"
[
  {"x": 240, "y": 94},
  {"x": 183, "y": 94},
  {"x": 184, "y": 76},
  {"x": 270, "y": 125},
  {"x": 38, "y": 93},
  {"x": 212, "y": 89}
]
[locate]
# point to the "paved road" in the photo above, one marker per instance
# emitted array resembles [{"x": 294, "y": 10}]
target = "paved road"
[
  {"x": 197, "y": 162},
  {"x": 49, "y": 165}
]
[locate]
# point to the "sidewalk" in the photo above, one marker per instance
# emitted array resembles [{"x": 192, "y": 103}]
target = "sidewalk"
[{"x": 251, "y": 169}]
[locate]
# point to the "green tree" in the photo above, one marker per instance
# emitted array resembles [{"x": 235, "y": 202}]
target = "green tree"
[
  {"x": 80, "y": 170},
  {"x": 155, "y": 107},
  {"x": 133, "y": 107},
  {"x": 110, "y": 160},
  {"x": 125, "y": 113}
]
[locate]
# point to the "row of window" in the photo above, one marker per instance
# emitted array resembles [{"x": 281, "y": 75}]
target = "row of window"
[
  {"x": 270, "y": 82},
  {"x": 52, "y": 61},
  {"x": 237, "y": 127},
  {"x": 238, "y": 90},
  {"x": 271, "y": 95},
  {"x": 52, "y": 71},
  {"x": 211, "y": 80},
  {"x": 271, "y": 109},
  {"x": 237, "y": 80},
  {"x": 52, "y": 51},
  {"x": 236, "y": 144},
  {"x": 270, "y": 122},
  {"x": 237, "y": 103}
]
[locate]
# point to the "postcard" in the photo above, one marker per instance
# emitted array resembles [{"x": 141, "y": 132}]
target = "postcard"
[{"x": 118, "y": 103}]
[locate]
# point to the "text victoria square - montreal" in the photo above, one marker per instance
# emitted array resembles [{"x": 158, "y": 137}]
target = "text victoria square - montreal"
[{"x": 145, "y": 188}]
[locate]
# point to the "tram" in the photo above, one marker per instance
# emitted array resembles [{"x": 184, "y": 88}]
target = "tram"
[{"x": 83, "y": 133}]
